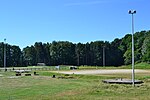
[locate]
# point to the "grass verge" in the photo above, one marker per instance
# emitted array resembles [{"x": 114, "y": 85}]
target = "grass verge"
[{"x": 88, "y": 87}]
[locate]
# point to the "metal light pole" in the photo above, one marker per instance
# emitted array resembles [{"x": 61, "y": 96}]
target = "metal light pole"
[
  {"x": 5, "y": 54},
  {"x": 132, "y": 12}
]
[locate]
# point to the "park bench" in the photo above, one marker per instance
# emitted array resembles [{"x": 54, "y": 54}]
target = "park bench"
[
  {"x": 27, "y": 74},
  {"x": 18, "y": 74},
  {"x": 73, "y": 67}
]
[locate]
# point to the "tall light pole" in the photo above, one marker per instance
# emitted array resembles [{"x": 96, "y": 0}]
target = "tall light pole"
[
  {"x": 132, "y": 12},
  {"x": 5, "y": 54}
]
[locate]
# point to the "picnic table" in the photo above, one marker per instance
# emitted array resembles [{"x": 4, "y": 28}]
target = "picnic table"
[{"x": 18, "y": 72}]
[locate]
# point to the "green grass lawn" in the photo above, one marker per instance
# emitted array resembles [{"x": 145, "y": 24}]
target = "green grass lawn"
[{"x": 80, "y": 87}]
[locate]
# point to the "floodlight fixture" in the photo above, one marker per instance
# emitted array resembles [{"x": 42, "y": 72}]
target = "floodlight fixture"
[{"x": 132, "y": 11}]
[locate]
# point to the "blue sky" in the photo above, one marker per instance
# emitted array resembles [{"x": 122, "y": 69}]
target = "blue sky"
[{"x": 24, "y": 22}]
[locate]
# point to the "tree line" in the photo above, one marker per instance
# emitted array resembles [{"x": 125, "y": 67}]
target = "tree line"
[{"x": 116, "y": 53}]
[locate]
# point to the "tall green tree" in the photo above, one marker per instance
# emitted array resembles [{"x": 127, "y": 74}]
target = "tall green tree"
[
  {"x": 146, "y": 49},
  {"x": 87, "y": 54},
  {"x": 80, "y": 53},
  {"x": 46, "y": 53},
  {"x": 1, "y": 53},
  {"x": 29, "y": 54},
  {"x": 40, "y": 52},
  {"x": 96, "y": 53},
  {"x": 54, "y": 53},
  {"x": 15, "y": 56},
  {"x": 115, "y": 53}
]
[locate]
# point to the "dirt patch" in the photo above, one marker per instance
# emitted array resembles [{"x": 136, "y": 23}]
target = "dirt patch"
[
  {"x": 14, "y": 77},
  {"x": 113, "y": 71}
]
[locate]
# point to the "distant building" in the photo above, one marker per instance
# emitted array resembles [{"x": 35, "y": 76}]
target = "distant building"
[{"x": 41, "y": 64}]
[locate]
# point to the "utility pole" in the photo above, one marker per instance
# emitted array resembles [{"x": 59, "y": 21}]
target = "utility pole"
[
  {"x": 103, "y": 56},
  {"x": 5, "y": 54}
]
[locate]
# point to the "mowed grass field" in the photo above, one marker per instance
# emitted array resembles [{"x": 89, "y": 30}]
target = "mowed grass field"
[{"x": 71, "y": 87}]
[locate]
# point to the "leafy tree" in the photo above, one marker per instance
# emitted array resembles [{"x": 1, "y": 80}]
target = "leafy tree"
[
  {"x": 54, "y": 53},
  {"x": 15, "y": 56},
  {"x": 87, "y": 54},
  {"x": 46, "y": 53},
  {"x": 29, "y": 54},
  {"x": 1, "y": 53},
  {"x": 96, "y": 52},
  {"x": 116, "y": 55},
  {"x": 39, "y": 52},
  {"x": 80, "y": 53},
  {"x": 146, "y": 49}
]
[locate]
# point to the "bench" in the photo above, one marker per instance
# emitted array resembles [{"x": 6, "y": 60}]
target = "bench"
[
  {"x": 27, "y": 74},
  {"x": 18, "y": 74}
]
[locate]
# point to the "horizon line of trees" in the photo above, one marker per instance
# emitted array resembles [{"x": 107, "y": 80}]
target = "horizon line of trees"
[{"x": 117, "y": 52}]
